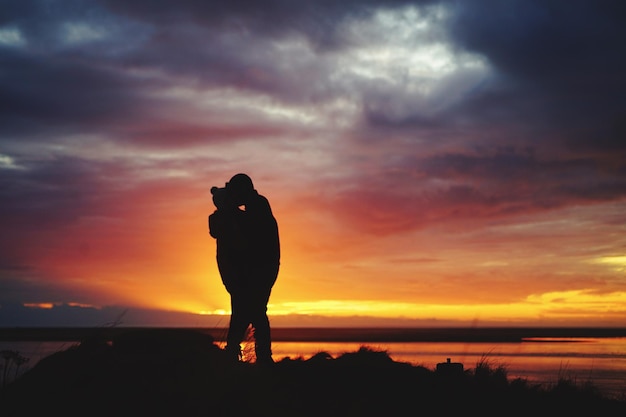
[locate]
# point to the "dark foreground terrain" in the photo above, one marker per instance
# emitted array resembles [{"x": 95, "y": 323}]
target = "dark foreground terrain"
[{"x": 183, "y": 373}]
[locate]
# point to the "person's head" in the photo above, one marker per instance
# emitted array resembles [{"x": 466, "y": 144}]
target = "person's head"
[{"x": 240, "y": 187}]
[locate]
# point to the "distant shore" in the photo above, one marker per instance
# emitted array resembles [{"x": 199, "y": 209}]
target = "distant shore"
[{"x": 332, "y": 334}]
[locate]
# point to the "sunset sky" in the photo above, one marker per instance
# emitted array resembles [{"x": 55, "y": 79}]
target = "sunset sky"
[{"x": 428, "y": 162}]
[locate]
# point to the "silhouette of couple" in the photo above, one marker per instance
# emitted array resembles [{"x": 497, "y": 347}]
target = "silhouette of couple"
[{"x": 248, "y": 258}]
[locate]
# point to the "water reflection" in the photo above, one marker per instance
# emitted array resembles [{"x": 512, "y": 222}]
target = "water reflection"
[{"x": 600, "y": 361}]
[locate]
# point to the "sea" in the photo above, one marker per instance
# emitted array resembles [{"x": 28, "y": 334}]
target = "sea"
[{"x": 600, "y": 361}]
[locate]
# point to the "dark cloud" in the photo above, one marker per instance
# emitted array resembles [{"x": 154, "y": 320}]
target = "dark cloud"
[
  {"x": 562, "y": 61},
  {"x": 46, "y": 96},
  {"x": 70, "y": 314},
  {"x": 29, "y": 285},
  {"x": 520, "y": 110},
  {"x": 85, "y": 69},
  {"x": 545, "y": 41},
  {"x": 42, "y": 194},
  {"x": 558, "y": 65},
  {"x": 41, "y": 199},
  {"x": 522, "y": 176},
  {"x": 315, "y": 19},
  {"x": 458, "y": 188},
  {"x": 556, "y": 80},
  {"x": 94, "y": 67},
  {"x": 238, "y": 44}
]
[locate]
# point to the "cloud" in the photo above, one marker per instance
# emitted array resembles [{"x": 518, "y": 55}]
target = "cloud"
[
  {"x": 60, "y": 314},
  {"x": 42, "y": 199},
  {"x": 414, "y": 67},
  {"x": 561, "y": 63},
  {"x": 366, "y": 121},
  {"x": 419, "y": 191},
  {"x": 47, "y": 96},
  {"x": 46, "y": 194},
  {"x": 428, "y": 73},
  {"x": 80, "y": 83}
]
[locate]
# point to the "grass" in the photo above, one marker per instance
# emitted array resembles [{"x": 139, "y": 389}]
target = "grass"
[{"x": 182, "y": 373}]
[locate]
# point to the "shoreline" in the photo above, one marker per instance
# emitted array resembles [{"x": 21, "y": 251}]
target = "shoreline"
[
  {"x": 194, "y": 377},
  {"x": 334, "y": 334}
]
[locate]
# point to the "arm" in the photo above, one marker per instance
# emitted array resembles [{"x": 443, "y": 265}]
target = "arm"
[{"x": 215, "y": 224}]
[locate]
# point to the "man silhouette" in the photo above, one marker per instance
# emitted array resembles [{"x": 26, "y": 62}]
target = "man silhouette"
[{"x": 248, "y": 258}]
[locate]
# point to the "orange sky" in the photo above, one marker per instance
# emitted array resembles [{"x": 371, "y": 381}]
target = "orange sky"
[
  {"x": 158, "y": 254},
  {"x": 420, "y": 172}
]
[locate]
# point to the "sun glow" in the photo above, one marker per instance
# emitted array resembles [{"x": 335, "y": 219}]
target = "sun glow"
[
  {"x": 346, "y": 308},
  {"x": 46, "y": 306},
  {"x": 218, "y": 312},
  {"x": 617, "y": 262},
  {"x": 567, "y": 304}
]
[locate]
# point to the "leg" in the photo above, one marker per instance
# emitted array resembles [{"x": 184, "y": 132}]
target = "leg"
[
  {"x": 238, "y": 325},
  {"x": 261, "y": 325}
]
